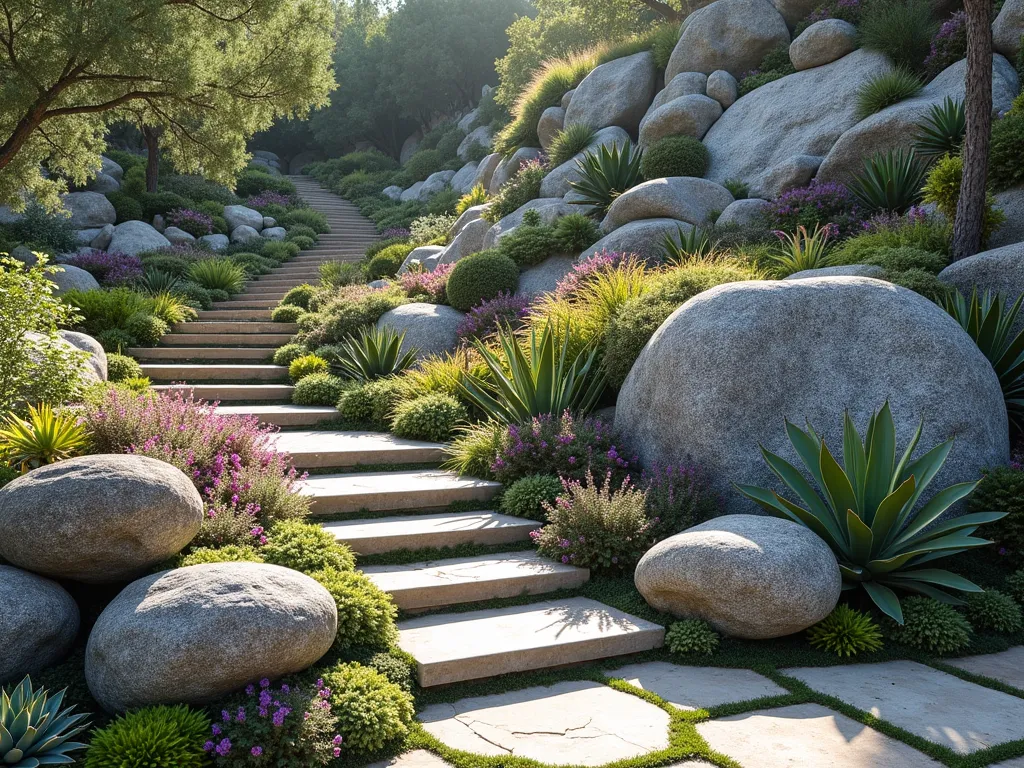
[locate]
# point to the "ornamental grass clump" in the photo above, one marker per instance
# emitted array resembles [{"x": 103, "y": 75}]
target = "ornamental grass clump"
[
  {"x": 691, "y": 637},
  {"x": 151, "y": 737},
  {"x": 846, "y": 632}
]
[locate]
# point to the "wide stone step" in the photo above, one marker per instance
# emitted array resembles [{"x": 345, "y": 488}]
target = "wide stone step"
[
  {"x": 271, "y": 281},
  {"x": 232, "y": 392},
  {"x": 473, "y": 579},
  {"x": 270, "y": 295},
  {"x": 324, "y": 450},
  {"x": 453, "y": 647},
  {"x": 415, "y": 532},
  {"x": 200, "y": 373},
  {"x": 283, "y": 415},
  {"x": 236, "y": 315},
  {"x": 235, "y": 327},
  {"x": 202, "y": 353},
  {"x": 246, "y": 304},
  {"x": 349, "y": 493},
  {"x": 259, "y": 290},
  {"x": 226, "y": 339}
]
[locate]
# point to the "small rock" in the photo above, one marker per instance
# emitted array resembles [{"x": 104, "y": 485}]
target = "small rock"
[
  {"x": 178, "y": 236},
  {"x": 683, "y": 84},
  {"x": 103, "y": 184},
  {"x": 685, "y": 116},
  {"x": 134, "y": 237},
  {"x": 470, "y": 214},
  {"x": 742, "y": 212},
  {"x": 434, "y": 183},
  {"x": 481, "y": 136},
  {"x": 823, "y": 42},
  {"x": 38, "y": 623},
  {"x": 684, "y": 198},
  {"x": 244, "y": 234},
  {"x": 551, "y": 122},
  {"x": 723, "y": 88},
  {"x": 544, "y": 277},
  {"x": 393, "y": 192},
  {"x": 159, "y": 223},
  {"x": 215, "y": 242},
  {"x": 616, "y": 93},
  {"x": 467, "y": 120},
  {"x": 102, "y": 240},
  {"x": 86, "y": 236},
  {"x": 274, "y": 233},
  {"x": 412, "y": 193},
  {"x": 269, "y": 222},
  {"x": 240, "y": 215},
  {"x": 25, "y": 255},
  {"x": 420, "y": 256},
  {"x": 430, "y": 329}
]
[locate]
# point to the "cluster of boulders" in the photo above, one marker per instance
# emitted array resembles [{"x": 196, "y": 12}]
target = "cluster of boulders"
[{"x": 181, "y": 635}]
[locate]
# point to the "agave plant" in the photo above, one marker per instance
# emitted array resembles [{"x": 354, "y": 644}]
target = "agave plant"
[
  {"x": 867, "y": 510},
  {"x": 45, "y": 438},
  {"x": 802, "y": 250},
  {"x": 991, "y": 322},
  {"x": 942, "y": 130},
  {"x": 890, "y": 182},
  {"x": 156, "y": 281},
  {"x": 691, "y": 246},
  {"x": 521, "y": 384},
  {"x": 606, "y": 173},
  {"x": 218, "y": 274},
  {"x": 374, "y": 354},
  {"x": 33, "y": 729}
]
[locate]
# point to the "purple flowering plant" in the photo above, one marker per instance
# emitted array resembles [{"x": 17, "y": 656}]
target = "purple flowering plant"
[
  {"x": 110, "y": 268},
  {"x": 284, "y": 727},
  {"x": 266, "y": 199},
  {"x": 196, "y": 223},
  {"x": 486, "y": 319},
  {"x": 432, "y": 285},
  {"x": 396, "y": 233},
  {"x": 817, "y": 204},
  {"x": 584, "y": 271},
  {"x": 949, "y": 44},
  {"x": 679, "y": 496}
]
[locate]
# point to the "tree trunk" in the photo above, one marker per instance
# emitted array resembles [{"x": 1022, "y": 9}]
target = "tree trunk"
[
  {"x": 153, "y": 160},
  {"x": 970, "y": 210}
]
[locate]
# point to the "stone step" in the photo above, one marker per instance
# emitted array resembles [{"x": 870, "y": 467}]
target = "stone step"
[
  {"x": 453, "y": 647},
  {"x": 232, "y": 392},
  {"x": 246, "y": 304},
  {"x": 199, "y": 373},
  {"x": 273, "y": 294},
  {"x": 260, "y": 290},
  {"x": 143, "y": 354},
  {"x": 432, "y": 489},
  {"x": 414, "y": 532},
  {"x": 237, "y": 315},
  {"x": 272, "y": 281},
  {"x": 283, "y": 415},
  {"x": 235, "y": 327},
  {"x": 442, "y": 583},
  {"x": 323, "y": 450},
  {"x": 226, "y": 339}
]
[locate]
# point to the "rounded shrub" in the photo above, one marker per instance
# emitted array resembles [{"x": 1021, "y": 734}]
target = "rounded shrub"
[
  {"x": 931, "y": 626},
  {"x": 691, "y": 636},
  {"x": 289, "y": 352},
  {"x": 675, "y": 156},
  {"x": 161, "y": 203},
  {"x": 1014, "y": 586},
  {"x": 1002, "y": 490},
  {"x": 846, "y": 632},
  {"x": 279, "y": 250},
  {"x": 628, "y": 333},
  {"x": 394, "y": 666},
  {"x": 115, "y": 340},
  {"x": 301, "y": 230},
  {"x": 480, "y": 277},
  {"x": 387, "y": 261},
  {"x": 304, "y": 366},
  {"x": 194, "y": 294},
  {"x": 146, "y": 329},
  {"x": 303, "y": 242},
  {"x": 424, "y": 163},
  {"x": 305, "y": 547},
  {"x": 530, "y": 244},
  {"x": 356, "y": 404},
  {"x": 366, "y": 614},
  {"x": 126, "y": 207},
  {"x": 230, "y": 553},
  {"x": 121, "y": 367},
  {"x": 429, "y": 417},
  {"x": 372, "y": 711},
  {"x": 527, "y": 496},
  {"x": 318, "y": 389},
  {"x": 994, "y": 611},
  {"x": 152, "y": 737},
  {"x": 287, "y": 314}
]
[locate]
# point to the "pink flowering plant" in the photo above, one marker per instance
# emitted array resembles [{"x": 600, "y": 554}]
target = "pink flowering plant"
[
  {"x": 492, "y": 315},
  {"x": 817, "y": 204},
  {"x": 196, "y": 223},
  {"x": 283, "y": 727},
  {"x": 679, "y": 496},
  {"x": 266, "y": 199},
  {"x": 583, "y": 272},
  {"x": 110, "y": 268},
  {"x": 429, "y": 285}
]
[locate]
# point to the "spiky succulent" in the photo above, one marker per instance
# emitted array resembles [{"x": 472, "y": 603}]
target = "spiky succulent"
[
  {"x": 605, "y": 174},
  {"x": 373, "y": 354},
  {"x": 34, "y": 731},
  {"x": 153, "y": 737},
  {"x": 890, "y": 181},
  {"x": 691, "y": 636},
  {"x": 942, "y": 130},
  {"x": 846, "y": 632}
]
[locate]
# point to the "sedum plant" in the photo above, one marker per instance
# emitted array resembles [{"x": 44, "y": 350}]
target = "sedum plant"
[
  {"x": 846, "y": 632},
  {"x": 374, "y": 354},
  {"x": 868, "y": 510},
  {"x": 606, "y": 173},
  {"x": 44, "y": 438},
  {"x": 889, "y": 182},
  {"x": 34, "y": 730}
]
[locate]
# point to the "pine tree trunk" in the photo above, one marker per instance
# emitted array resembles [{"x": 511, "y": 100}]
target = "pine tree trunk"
[
  {"x": 153, "y": 160},
  {"x": 970, "y": 211}
]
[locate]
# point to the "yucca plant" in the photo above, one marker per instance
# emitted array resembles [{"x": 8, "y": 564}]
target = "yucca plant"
[
  {"x": 606, "y": 173},
  {"x": 522, "y": 384},
  {"x": 990, "y": 321},
  {"x": 218, "y": 274},
  {"x": 155, "y": 281},
  {"x": 890, "y": 182},
  {"x": 569, "y": 142},
  {"x": 867, "y": 510},
  {"x": 34, "y": 731},
  {"x": 942, "y": 130},
  {"x": 170, "y": 308},
  {"x": 801, "y": 250},
  {"x": 44, "y": 438},
  {"x": 373, "y": 354},
  {"x": 693, "y": 245}
]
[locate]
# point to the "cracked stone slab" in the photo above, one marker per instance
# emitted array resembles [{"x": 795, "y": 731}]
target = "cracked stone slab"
[
  {"x": 688, "y": 687},
  {"x": 1006, "y": 667},
  {"x": 418, "y": 758},
  {"x": 807, "y": 735},
  {"x": 570, "y": 723},
  {"x": 941, "y": 708}
]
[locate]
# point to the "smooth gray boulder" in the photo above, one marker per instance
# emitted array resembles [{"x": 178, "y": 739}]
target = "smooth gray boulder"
[
  {"x": 470, "y": 214},
  {"x": 88, "y": 210},
  {"x": 215, "y": 242},
  {"x": 895, "y": 126},
  {"x": 557, "y": 181},
  {"x": 97, "y": 355},
  {"x": 159, "y": 223},
  {"x": 430, "y": 329},
  {"x": 507, "y": 168},
  {"x": 435, "y": 182},
  {"x": 742, "y": 213},
  {"x": 191, "y": 635},
  {"x": 244, "y": 234},
  {"x": 419, "y": 256},
  {"x": 551, "y": 122},
  {"x": 110, "y": 168},
  {"x": 822, "y": 43},
  {"x": 25, "y": 255},
  {"x": 409, "y": 147},
  {"x": 98, "y": 519},
  {"x": 1011, "y": 203},
  {"x": 997, "y": 271},
  {"x": 178, "y": 236},
  {"x": 269, "y": 222},
  {"x": 72, "y": 278},
  {"x": 616, "y": 93},
  {"x": 793, "y": 172},
  {"x": 38, "y": 623},
  {"x": 84, "y": 237},
  {"x": 683, "y": 84},
  {"x": 707, "y": 382},
  {"x": 685, "y": 116},
  {"x": 134, "y": 237},
  {"x": 733, "y": 35},
  {"x": 685, "y": 198},
  {"x": 544, "y": 277},
  {"x": 749, "y": 576},
  {"x": 723, "y": 88},
  {"x": 801, "y": 114},
  {"x": 567, "y": 98},
  {"x": 847, "y": 270},
  {"x": 549, "y": 208},
  {"x": 274, "y": 233},
  {"x": 645, "y": 238},
  {"x": 240, "y": 215},
  {"x": 485, "y": 171},
  {"x": 102, "y": 240},
  {"x": 1008, "y": 28},
  {"x": 393, "y": 192},
  {"x": 103, "y": 184},
  {"x": 467, "y": 120},
  {"x": 469, "y": 241},
  {"x": 462, "y": 181},
  {"x": 412, "y": 193}
]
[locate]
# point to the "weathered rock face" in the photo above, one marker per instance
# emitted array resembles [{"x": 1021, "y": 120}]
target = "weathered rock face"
[
  {"x": 551, "y": 122},
  {"x": 684, "y": 198},
  {"x": 749, "y": 576},
  {"x": 742, "y": 212},
  {"x": 192, "y": 634},
  {"x": 556, "y": 183},
  {"x": 683, "y": 84},
  {"x": 178, "y": 236},
  {"x": 111, "y": 168},
  {"x": 98, "y": 519},
  {"x": 794, "y": 11},
  {"x": 1000, "y": 270},
  {"x": 467, "y": 120},
  {"x": 685, "y": 116},
  {"x": 719, "y": 358},
  {"x": 435, "y": 182},
  {"x": 894, "y": 127},
  {"x": 215, "y": 242},
  {"x": 462, "y": 181},
  {"x": 645, "y": 238},
  {"x": 733, "y": 35},
  {"x": 793, "y": 172},
  {"x": 485, "y": 171},
  {"x": 822, "y": 43},
  {"x": 1008, "y": 28},
  {"x": 469, "y": 241},
  {"x": 1011, "y": 203},
  {"x": 412, "y": 193},
  {"x": 549, "y": 208},
  {"x": 102, "y": 240},
  {"x": 38, "y": 624},
  {"x": 134, "y": 237},
  {"x": 567, "y": 98},
  {"x": 470, "y": 214},
  {"x": 273, "y": 233},
  {"x": 420, "y": 255},
  {"x": 244, "y": 234},
  {"x": 103, "y": 184},
  {"x": 72, "y": 278},
  {"x": 97, "y": 356},
  {"x": 88, "y": 210},
  {"x": 801, "y": 114},
  {"x": 240, "y": 215},
  {"x": 544, "y": 277},
  {"x": 723, "y": 88},
  {"x": 616, "y": 93},
  {"x": 847, "y": 270},
  {"x": 393, "y": 192},
  {"x": 507, "y": 168},
  {"x": 429, "y": 328}
]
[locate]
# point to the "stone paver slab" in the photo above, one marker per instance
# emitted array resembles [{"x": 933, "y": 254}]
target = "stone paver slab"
[
  {"x": 570, "y": 723},
  {"x": 1015, "y": 763},
  {"x": 318, "y": 449},
  {"x": 1006, "y": 667},
  {"x": 697, "y": 687},
  {"x": 418, "y": 758},
  {"x": 807, "y": 736},
  {"x": 389, "y": 534},
  {"x": 944, "y": 709},
  {"x": 392, "y": 491}
]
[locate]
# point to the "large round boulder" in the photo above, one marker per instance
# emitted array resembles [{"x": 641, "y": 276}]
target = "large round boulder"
[
  {"x": 615, "y": 93},
  {"x": 748, "y": 576},
  {"x": 193, "y": 634},
  {"x": 685, "y": 198},
  {"x": 485, "y": 171},
  {"x": 243, "y": 216},
  {"x": 645, "y": 238},
  {"x": 462, "y": 181},
  {"x": 98, "y": 519},
  {"x": 822, "y": 43},
  {"x": 551, "y": 122},
  {"x": 134, "y": 237},
  {"x": 1011, "y": 203},
  {"x": 430, "y": 329},
  {"x": 244, "y": 234},
  {"x": 719, "y": 377},
  {"x": 88, "y": 209},
  {"x": 544, "y": 277},
  {"x": 71, "y": 278},
  {"x": 998, "y": 271},
  {"x": 38, "y": 622}
]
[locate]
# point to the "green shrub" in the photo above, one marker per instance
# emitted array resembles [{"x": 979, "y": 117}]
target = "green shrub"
[
  {"x": 115, "y": 340},
  {"x": 218, "y": 275},
  {"x": 925, "y": 236},
  {"x": 1014, "y": 586},
  {"x": 479, "y": 277},
  {"x": 530, "y": 244},
  {"x": 1005, "y": 168},
  {"x": 902, "y": 258},
  {"x": 303, "y": 242},
  {"x": 370, "y": 403},
  {"x": 318, "y": 389},
  {"x": 433, "y": 417},
  {"x": 305, "y": 547},
  {"x": 287, "y": 314},
  {"x": 152, "y": 737},
  {"x": 994, "y": 611},
  {"x": 394, "y": 666},
  {"x": 301, "y": 230},
  {"x": 147, "y": 330},
  {"x": 366, "y": 614},
  {"x": 569, "y": 142},
  {"x": 753, "y": 82},
  {"x": 279, "y": 250},
  {"x": 306, "y": 217},
  {"x": 289, "y": 352},
  {"x": 160, "y": 204},
  {"x": 449, "y": 143},
  {"x": 942, "y": 187},
  {"x": 252, "y": 181},
  {"x": 299, "y": 296},
  {"x": 675, "y": 156},
  {"x": 919, "y": 281},
  {"x": 253, "y": 264},
  {"x": 387, "y": 262},
  {"x": 431, "y": 228},
  {"x": 885, "y": 89},
  {"x": 198, "y": 189},
  {"x": 230, "y": 553},
  {"x": 1002, "y": 490},
  {"x": 528, "y": 496},
  {"x": 516, "y": 192},
  {"x": 690, "y": 637},
  {"x": 575, "y": 233},
  {"x": 846, "y": 632},
  {"x": 423, "y": 163},
  {"x": 373, "y": 712},
  {"x": 355, "y": 308},
  {"x": 126, "y": 206},
  {"x": 304, "y": 366},
  {"x": 121, "y": 367},
  {"x": 930, "y": 626},
  {"x": 902, "y": 30}
]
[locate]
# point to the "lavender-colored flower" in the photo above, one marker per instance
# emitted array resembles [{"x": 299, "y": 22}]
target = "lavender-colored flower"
[
  {"x": 505, "y": 310},
  {"x": 224, "y": 747},
  {"x": 256, "y": 751},
  {"x": 196, "y": 223},
  {"x": 337, "y": 739},
  {"x": 268, "y": 198},
  {"x": 209, "y": 746},
  {"x": 110, "y": 268},
  {"x": 433, "y": 284},
  {"x": 396, "y": 233}
]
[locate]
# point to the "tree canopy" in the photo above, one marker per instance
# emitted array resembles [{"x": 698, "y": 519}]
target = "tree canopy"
[{"x": 206, "y": 74}]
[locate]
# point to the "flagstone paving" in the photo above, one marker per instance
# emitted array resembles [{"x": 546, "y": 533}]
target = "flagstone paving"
[
  {"x": 1006, "y": 667},
  {"x": 698, "y": 687}
]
